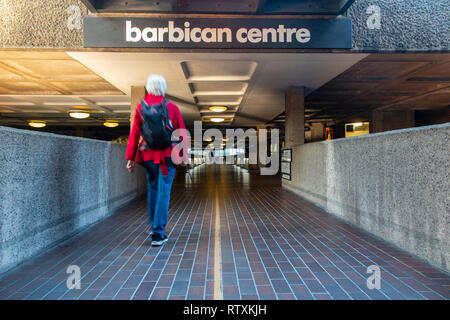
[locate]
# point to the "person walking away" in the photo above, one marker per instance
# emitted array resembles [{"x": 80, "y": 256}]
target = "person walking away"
[{"x": 155, "y": 150}]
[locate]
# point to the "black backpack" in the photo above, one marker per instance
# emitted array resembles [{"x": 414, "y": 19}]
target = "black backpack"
[{"x": 156, "y": 126}]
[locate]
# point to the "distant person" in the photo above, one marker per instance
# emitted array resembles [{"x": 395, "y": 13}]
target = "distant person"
[{"x": 154, "y": 151}]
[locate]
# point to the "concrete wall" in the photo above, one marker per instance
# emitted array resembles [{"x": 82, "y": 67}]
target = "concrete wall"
[
  {"x": 41, "y": 24},
  {"x": 53, "y": 186},
  {"x": 393, "y": 184},
  {"x": 406, "y": 26}
]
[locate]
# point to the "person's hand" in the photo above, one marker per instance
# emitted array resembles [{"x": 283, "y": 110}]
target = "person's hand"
[{"x": 130, "y": 165}]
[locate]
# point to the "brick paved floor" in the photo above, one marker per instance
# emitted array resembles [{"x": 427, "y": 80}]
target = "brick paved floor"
[{"x": 273, "y": 245}]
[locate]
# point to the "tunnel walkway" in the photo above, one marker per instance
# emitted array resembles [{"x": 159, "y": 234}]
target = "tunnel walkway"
[{"x": 231, "y": 236}]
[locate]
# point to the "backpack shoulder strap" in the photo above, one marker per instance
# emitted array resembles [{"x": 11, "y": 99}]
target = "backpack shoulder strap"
[
  {"x": 165, "y": 102},
  {"x": 144, "y": 103},
  {"x": 165, "y": 110}
]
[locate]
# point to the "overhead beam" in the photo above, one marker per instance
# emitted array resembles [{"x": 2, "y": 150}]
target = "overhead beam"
[
  {"x": 135, "y": 5},
  {"x": 305, "y": 7},
  {"x": 214, "y": 6},
  {"x": 94, "y": 105}
]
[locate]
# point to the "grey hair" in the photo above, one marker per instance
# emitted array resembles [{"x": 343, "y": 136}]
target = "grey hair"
[{"x": 156, "y": 84}]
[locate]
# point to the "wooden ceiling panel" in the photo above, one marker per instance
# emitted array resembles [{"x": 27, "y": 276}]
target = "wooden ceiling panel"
[
  {"x": 26, "y": 87},
  {"x": 42, "y": 72},
  {"x": 436, "y": 100},
  {"x": 347, "y": 85},
  {"x": 373, "y": 70},
  {"x": 62, "y": 70},
  {"x": 439, "y": 72},
  {"x": 320, "y": 97},
  {"x": 88, "y": 88},
  {"x": 6, "y": 110},
  {"x": 386, "y": 81},
  {"x": 413, "y": 87},
  {"x": 34, "y": 109},
  {"x": 6, "y": 75},
  {"x": 333, "y": 93},
  {"x": 381, "y": 97}
]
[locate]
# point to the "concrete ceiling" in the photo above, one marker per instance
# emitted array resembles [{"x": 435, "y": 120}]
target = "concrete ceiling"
[
  {"x": 251, "y": 85},
  {"x": 386, "y": 82},
  {"x": 48, "y": 73},
  {"x": 46, "y": 85}
]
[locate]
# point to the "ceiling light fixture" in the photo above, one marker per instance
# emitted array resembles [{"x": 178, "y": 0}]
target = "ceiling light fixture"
[
  {"x": 78, "y": 114},
  {"x": 357, "y": 124},
  {"x": 217, "y": 119},
  {"x": 218, "y": 108},
  {"x": 111, "y": 123},
  {"x": 37, "y": 124}
]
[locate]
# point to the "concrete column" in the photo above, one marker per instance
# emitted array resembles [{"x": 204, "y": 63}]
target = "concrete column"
[
  {"x": 295, "y": 116},
  {"x": 137, "y": 93},
  {"x": 80, "y": 132},
  {"x": 391, "y": 120},
  {"x": 317, "y": 132}
]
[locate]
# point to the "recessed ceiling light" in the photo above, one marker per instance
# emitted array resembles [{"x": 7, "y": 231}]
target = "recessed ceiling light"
[
  {"x": 111, "y": 124},
  {"x": 78, "y": 114},
  {"x": 218, "y": 108},
  {"x": 37, "y": 124},
  {"x": 217, "y": 119},
  {"x": 358, "y": 124}
]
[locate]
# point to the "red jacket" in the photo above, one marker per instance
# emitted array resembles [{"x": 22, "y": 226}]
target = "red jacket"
[{"x": 158, "y": 156}]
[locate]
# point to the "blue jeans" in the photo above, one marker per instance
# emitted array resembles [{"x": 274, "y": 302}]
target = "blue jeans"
[{"x": 158, "y": 187}]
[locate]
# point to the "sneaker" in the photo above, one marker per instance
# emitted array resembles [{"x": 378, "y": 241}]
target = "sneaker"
[{"x": 159, "y": 240}]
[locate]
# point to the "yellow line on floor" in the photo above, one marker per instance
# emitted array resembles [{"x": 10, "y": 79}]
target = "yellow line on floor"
[{"x": 217, "y": 255}]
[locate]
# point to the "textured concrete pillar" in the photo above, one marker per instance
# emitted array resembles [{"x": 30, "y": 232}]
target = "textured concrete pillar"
[
  {"x": 317, "y": 132},
  {"x": 295, "y": 116},
  {"x": 391, "y": 120},
  {"x": 137, "y": 93},
  {"x": 80, "y": 132}
]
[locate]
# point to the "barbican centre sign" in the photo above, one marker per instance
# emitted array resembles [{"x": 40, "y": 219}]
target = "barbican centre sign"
[{"x": 220, "y": 33}]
